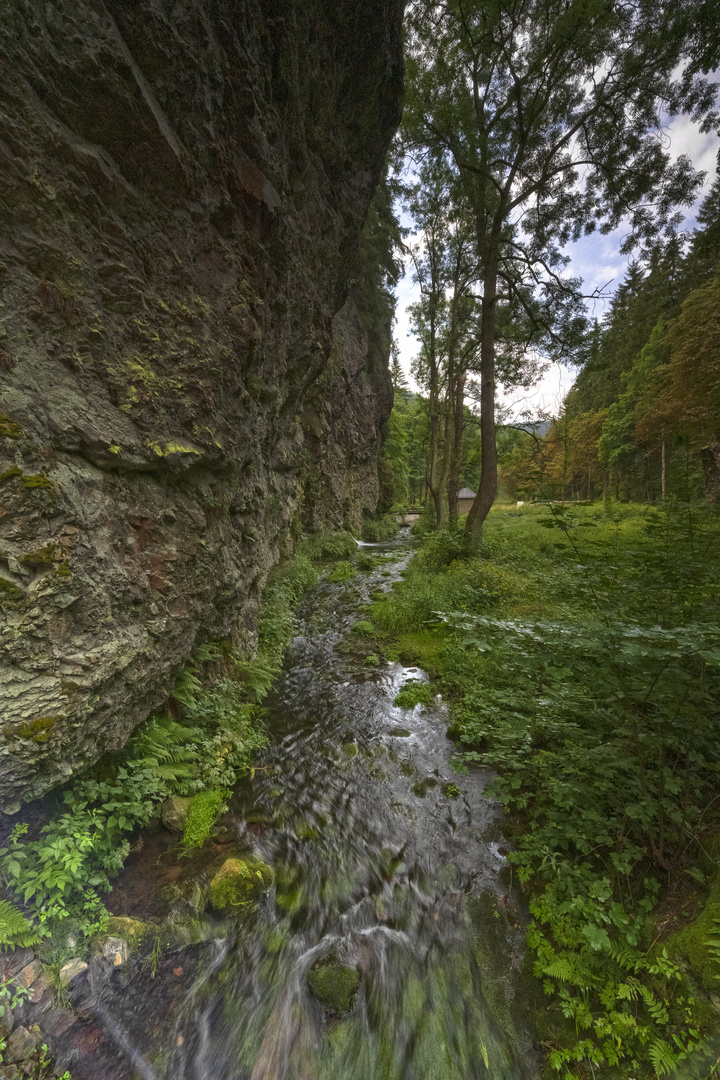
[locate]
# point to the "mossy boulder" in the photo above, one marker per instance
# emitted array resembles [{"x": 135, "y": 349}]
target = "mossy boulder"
[
  {"x": 697, "y": 942},
  {"x": 131, "y": 930},
  {"x": 238, "y": 882},
  {"x": 335, "y": 985}
]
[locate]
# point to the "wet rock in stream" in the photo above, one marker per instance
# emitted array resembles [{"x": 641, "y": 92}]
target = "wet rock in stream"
[{"x": 335, "y": 985}]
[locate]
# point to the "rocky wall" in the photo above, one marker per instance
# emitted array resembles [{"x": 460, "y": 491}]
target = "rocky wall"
[{"x": 182, "y": 186}]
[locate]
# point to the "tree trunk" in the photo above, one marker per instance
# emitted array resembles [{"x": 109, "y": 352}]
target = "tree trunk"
[
  {"x": 710, "y": 456},
  {"x": 434, "y": 483},
  {"x": 487, "y": 488},
  {"x": 662, "y": 467},
  {"x": 456, "y": 452}
]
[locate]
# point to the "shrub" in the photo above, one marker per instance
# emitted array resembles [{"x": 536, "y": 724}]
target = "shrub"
[
  {"x": 381, "y": 528},
  {"x": 337, "y": 545}
]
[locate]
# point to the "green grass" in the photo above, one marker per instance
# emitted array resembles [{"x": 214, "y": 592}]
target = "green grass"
[{"x": 579, "y": 649}]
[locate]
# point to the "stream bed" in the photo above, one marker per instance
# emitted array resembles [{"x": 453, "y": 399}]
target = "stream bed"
[{"x": 386, "y": 862}]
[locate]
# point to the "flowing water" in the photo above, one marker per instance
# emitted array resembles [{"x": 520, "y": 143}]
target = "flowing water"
[{"x": 377, "y": 867}]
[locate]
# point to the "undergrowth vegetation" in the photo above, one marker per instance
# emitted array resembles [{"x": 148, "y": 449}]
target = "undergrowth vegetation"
[
  {"x": 581, "y": 650},
  {"x": 200, "y": 747}
]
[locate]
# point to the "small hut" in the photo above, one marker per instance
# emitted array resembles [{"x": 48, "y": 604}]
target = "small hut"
[{"x": 466, "y": 497}]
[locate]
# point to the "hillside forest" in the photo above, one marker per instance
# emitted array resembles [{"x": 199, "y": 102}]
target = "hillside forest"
[{"x": 640, "y": 422}]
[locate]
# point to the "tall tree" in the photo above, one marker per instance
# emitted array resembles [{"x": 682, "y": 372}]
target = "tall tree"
[
  {"x": 445, "y": 321},
  {"x": 550, "y": 111},
  {"x": 429, "y": 205}
]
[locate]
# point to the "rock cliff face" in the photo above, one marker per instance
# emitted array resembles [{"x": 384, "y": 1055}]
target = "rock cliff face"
[{"x": 182, "y": 186}]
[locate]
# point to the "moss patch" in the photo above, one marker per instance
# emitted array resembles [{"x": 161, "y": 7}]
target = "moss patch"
[
  {"x": 414, "y": 693},
  {"x": 44, "y": 556},
  {"x": 699, "y": 942},
  {"x": 131, "y": 930},
  {"x": 9, "y": 429},
  {"x": 10, "y": 473},
  {"x": 363, "y": 628},
  {"x": 334, "y": 985},
  {"x": 40, "y": 730},
  {"x": 238, "y": 882},
  {"x": 38, "y": 480},
  {"x": 204, "y": 810}
]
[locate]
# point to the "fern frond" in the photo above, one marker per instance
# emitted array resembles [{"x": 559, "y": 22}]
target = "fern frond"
[
  {"x": 663, "y": 1057},
  {"x": 15, "y": 929},
  {"x": 187, "y": 687},
  {"x": 629, "y": 990},
  {"x": 560, "y": 968},
  {"x": 203, "y": 653}
]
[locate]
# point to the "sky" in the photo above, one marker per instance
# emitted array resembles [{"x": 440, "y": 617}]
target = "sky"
[{"x": 594, "y": 258}]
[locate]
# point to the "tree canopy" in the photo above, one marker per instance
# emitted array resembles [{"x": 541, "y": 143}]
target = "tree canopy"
[{"x": 550, "y": 113}]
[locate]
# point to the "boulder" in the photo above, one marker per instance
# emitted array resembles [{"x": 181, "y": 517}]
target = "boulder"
[
  {"x": 116, "y": 950},
  {"x": 238, "y": 882},
  {"x": 123, "y": 926},
  {"x": 70, "y": 971},
  {"x": 21, "y": 1045},
  {"x": 174, "y": 812}
]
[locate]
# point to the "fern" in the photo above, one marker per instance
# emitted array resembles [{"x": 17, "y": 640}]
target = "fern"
[
  {"x": 166, "y": 749},
  {"x": 203, "y": 653},
  {"x": 15, "y": 930},
  {"x": 187, "y": 687},
  {"x": 560, "y": 968},
  {"x": 662, "y": 1056}
]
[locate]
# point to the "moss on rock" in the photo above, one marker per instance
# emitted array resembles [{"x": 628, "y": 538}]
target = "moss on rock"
[
  {"x": 40, "y": 730},
  {"x": 44, "y": 556},
  {"x": 10, "y": 473},
  {"x": 697, "y": 942},
  {"x": 132, "y": 930},
  {"x": 9, "y": 429},
  {"x": 335, "y": 985},
  {"x": 239, "y": 881},
  {"x": 202, "y": 813}
]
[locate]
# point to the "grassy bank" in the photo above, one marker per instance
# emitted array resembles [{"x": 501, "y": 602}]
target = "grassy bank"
[{"x": 580, "y": 652}]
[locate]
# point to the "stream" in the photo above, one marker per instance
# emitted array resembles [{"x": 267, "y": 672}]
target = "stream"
[{"x": 379, "y": 865}]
